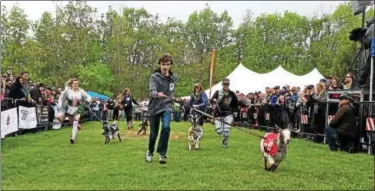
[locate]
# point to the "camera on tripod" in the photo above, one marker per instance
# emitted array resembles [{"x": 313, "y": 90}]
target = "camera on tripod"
[{"x": 357, "y": 34}]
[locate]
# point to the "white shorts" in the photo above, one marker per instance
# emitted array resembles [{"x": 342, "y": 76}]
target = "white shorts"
[{"x": 223, "y": 126}]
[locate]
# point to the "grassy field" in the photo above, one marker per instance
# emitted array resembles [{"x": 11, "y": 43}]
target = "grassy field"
[{"x": 47, "y": 160}]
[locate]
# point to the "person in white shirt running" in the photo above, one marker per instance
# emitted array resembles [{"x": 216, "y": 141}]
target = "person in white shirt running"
[{"x": 70, "y": 104}]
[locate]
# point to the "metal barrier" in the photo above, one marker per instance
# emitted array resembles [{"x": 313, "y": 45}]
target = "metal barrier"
[
  {"x": 7, "y": 103},
  {"x": 365, "y": 118},
  {"x": 367, "y": 125},
  {"x": 306, "y": 118},
  {"x": 44, "y": 115}
]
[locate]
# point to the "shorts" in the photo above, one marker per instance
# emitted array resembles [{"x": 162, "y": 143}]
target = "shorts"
[{"x": 80, "y": 110}]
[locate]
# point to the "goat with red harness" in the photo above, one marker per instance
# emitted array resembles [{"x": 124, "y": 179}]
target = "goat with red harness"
[{"x": 274, "y": 148}]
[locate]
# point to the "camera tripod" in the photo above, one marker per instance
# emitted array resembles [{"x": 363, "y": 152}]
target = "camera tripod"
[{"x": 361, "y": 57}]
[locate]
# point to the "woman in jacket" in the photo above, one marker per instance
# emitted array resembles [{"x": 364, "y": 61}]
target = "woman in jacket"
[
  {"x": 127, "y": 102},
  {"x": 198, "y": 100},
  {"x": 319, "y": 99},
  {"x": 16, "y": 90}
]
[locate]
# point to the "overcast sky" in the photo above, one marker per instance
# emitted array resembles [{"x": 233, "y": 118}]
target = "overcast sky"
[{"x": 182, "y": 9}]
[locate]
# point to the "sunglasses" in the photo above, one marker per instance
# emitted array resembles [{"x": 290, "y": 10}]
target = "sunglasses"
[{"x": 225, "y": 84}]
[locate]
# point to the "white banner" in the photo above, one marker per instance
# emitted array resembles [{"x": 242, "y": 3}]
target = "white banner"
[
  {"x": 27, "y": 117},
  {"x": 9, "y": 122}
]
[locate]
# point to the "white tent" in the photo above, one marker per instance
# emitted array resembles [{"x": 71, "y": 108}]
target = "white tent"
[
  {"x": 314, "y": 74},
  {"x": 238, "y": 79},
  {"x": 245, "y": 80}
]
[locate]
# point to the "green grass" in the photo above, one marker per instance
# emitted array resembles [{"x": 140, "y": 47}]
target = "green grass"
[{"x": 47, "y": 160}]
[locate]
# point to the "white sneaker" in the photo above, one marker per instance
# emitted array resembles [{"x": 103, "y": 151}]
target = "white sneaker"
[{"x": 148, "y": 156}]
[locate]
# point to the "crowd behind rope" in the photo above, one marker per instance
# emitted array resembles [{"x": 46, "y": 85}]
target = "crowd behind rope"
[
  {"x": 19, "y": 90},
  {"x": 304, "y": 108}
]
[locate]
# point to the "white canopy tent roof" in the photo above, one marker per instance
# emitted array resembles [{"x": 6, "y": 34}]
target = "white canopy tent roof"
[
  {"x": 239, "y": 80},
  {"x": 246, "y": 80},
  {"x": 314, "y": 74}
]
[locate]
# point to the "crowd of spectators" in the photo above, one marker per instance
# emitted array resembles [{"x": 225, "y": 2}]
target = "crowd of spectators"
[{"x": 304, "y": 110}]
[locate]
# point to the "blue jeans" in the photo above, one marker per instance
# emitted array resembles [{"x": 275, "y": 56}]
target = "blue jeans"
[
  {"x": 154, "y": 121},
  {"x": 331, "y": 135},
  {"x": 177, "y": 116}
]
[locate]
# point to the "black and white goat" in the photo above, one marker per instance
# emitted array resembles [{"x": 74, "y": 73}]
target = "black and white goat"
[
  {"x": 195, "y": 132},
  {"x": 110, "y": 131}
]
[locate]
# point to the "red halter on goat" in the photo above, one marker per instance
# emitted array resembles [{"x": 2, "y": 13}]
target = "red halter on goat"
[{"x": 270, "y": 143}]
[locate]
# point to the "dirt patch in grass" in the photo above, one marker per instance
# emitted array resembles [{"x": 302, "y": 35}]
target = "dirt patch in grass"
[{"x": 132, "y": 134}]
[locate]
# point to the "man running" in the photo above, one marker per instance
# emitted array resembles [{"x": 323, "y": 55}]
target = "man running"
[
  {"x": 162, "y": 84},
  {"x": 225, "y": 101}
]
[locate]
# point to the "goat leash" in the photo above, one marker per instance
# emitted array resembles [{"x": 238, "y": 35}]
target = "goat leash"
[{"x": 212, "y": 117}]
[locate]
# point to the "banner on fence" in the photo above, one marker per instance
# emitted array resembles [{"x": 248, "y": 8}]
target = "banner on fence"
[
  {"x": 42, "y": 114},
  {"x": 27, "y": 117},
  {"x": 9, "y": 122}
]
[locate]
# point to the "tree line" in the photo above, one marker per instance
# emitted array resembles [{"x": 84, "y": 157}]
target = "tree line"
[{"x": 119, "y": 49}]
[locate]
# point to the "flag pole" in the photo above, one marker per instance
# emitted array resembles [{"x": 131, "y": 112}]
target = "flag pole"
[{"x": 212, "y": 65}]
